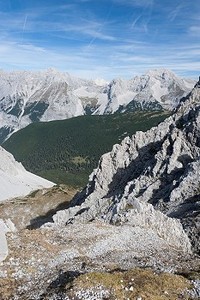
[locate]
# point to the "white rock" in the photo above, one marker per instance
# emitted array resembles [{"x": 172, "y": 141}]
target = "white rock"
[{"x": 3, "y": 241}]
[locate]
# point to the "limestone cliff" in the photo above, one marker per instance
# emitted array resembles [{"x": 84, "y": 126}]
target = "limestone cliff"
[{"x": 153, "y": 170}]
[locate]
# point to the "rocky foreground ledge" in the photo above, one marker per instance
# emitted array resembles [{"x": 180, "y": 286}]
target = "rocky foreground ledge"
[{"x": 88, "y": 261}]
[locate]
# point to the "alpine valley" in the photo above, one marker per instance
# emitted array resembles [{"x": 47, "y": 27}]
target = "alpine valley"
[
  {"x": 27, "y": 97},
  {"x": 133, "y": 231}
]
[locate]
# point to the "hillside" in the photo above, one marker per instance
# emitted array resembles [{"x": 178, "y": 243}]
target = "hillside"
[
  {"x": 27, "y": 97},
  {"x": 66, "y": 151}
]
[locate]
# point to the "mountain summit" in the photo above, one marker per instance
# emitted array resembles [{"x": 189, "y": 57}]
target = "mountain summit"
[{"x": 27, "y": 97}]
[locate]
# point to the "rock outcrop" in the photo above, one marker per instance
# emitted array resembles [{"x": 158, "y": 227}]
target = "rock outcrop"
[
  {"x": 3, "y": 244},
  {"x": 5, "y": 226},
  {"x": 151, "y": 171}
]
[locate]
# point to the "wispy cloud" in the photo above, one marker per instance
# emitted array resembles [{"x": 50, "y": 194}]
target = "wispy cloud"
[
  {"x": 175, "y": 13},
  {"x": 138, "y": 3},
  {"x": 31, "y": 56},
  {"x": 90, "y": 28},
  {"x": 95, "y": 39},
  {"x": 119, "y": 61},
  {"x": 135, "y": 21},
  {"x": 64, "y": 22}
]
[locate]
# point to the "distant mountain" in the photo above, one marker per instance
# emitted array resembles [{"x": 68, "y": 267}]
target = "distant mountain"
[
  {"x": 67, "y": 151},
  {"x": 27, "y": 97},
  {"x": 15, "y": 180},
  {"x": 152, "y": 171}
]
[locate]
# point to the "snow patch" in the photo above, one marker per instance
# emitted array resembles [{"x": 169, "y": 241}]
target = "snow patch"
[{"x": 15, "y": 181}]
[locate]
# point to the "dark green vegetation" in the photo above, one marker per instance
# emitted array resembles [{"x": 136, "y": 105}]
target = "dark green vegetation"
[
  {"x": 134, "y": 106},
  {"x": 35, "y": 110},
  {"x": 4, "y": 132},
  {"x": 16, "y": 110},
  {"x": 67, "y": 151}
]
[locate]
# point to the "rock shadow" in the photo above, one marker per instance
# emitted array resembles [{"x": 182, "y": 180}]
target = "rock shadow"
[
  {"x": 168, "y": 182},
  {"x": 143, "y": 163},
  {"x": 58, "y": 287},
  {"x": 41, "y": 220},
  {"x": 189, "y": 208}
]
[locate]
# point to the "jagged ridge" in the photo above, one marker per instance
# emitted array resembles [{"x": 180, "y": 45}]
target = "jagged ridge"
[{"x": 160, "y": 167}]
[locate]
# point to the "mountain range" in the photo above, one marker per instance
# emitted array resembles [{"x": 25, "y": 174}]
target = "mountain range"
[{"x": 27, "y": 96}]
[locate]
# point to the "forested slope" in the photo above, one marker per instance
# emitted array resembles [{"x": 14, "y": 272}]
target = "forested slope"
[{"x": 67, "y": 151}]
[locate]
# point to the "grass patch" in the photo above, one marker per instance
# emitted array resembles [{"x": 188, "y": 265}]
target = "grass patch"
[
  {"x": 137, "y": 283},
  {"x": 79, "y": 160}
]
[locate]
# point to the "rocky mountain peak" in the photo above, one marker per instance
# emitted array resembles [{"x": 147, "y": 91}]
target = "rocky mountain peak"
[{"x": 151, "y": 171}]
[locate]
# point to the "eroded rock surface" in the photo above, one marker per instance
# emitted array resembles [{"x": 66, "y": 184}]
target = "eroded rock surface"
[
  {"x": 42, "y": 260},
  {"x": 153, "y": 170}
]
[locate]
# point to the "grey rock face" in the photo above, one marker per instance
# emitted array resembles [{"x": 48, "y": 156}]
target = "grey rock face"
[
  {"x": 153, "y": 170},
  {"x": 5, "y": 227}
]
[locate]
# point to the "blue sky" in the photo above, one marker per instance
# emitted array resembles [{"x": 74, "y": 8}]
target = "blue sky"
[{"x": 101, "y": 38}]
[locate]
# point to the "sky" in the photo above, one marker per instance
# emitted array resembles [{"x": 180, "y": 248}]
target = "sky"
[{"x": 101, "y": 38}]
